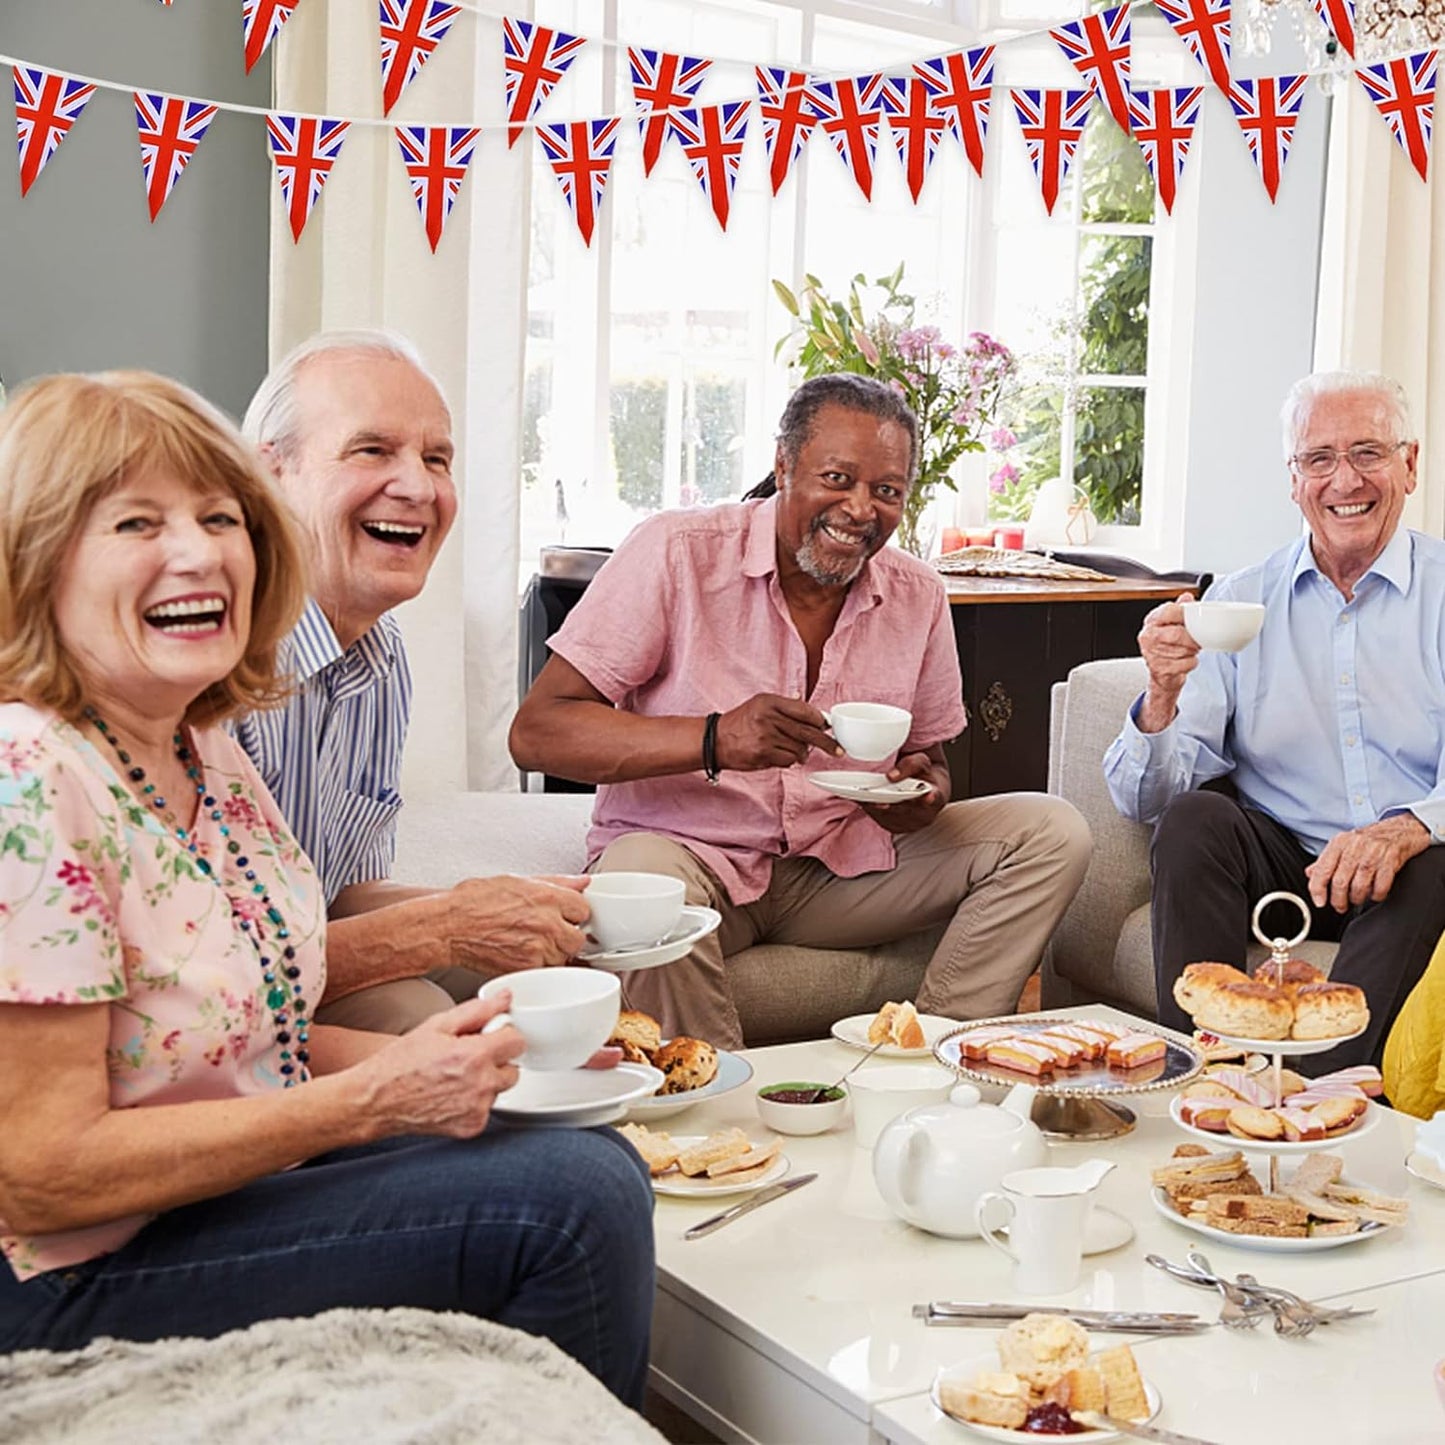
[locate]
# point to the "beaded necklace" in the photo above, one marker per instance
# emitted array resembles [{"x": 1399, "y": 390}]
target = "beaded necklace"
[{"x": 282, "y": 977}]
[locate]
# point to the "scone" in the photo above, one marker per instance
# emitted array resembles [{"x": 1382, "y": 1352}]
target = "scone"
[
  {"x": 686, "y": 1064},
  {"x": 640, "y": 1030},
  {"x": 1245, "y": 1010},
  {"x": 1081, "y": 1389},
  {"x": 990, "y": 1398},
  {"x": 1041, "y": 1349},
  {"x": 658, "y": 1151},
  {"x": 1196, "y": 977},
  {"x": 897, "y": 1023},
  {"x": 1328, "y": 1010}
]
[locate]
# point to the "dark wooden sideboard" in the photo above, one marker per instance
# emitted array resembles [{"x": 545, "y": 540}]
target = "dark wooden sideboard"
[{"x": 1015, "y": 640}]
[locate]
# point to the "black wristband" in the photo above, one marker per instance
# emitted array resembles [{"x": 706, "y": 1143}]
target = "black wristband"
[{"x": 709, "y": 748}]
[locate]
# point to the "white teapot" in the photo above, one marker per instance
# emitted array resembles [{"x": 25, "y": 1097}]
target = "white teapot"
[{"x": 933, "y": 1163}]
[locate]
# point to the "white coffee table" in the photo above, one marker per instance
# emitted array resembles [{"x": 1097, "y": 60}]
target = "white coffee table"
[{"x": 794, "y": 1324}]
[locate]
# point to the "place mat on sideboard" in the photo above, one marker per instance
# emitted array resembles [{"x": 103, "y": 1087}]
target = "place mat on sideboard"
[{"x": 1010, "y": 562}]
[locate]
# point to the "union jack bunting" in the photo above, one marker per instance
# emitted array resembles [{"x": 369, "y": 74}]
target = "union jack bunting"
[
  {"x": 410, "y": 31},
  {"x": 534, "y": 59},
  {"x": 850, "y": 111},
  {"x": 580, "y": 152},
  {"x": 1339, "y": 18},
  {"x": 47, "y": 104},
  {"x": 1163, "y": 123},
  {"x": 1203, "y": 26},
  {"x": 1098, "y": 47},
  {"x": 711, "y": 137},
  {"x": 1266, "y": 111},
  {"x": 958, "y": 87},
  {"x": 261, "y": 21},
  {"x": 661, "y": 83},
  {"x": 788, "y": 119},
  {"x": 1052, "y": 122},
  {"x": 1404, "y": 93},
  {"x": 916, "y": 124},
  {"x": 436, "y": 160},
  {"x": 303, "y": 148},
  {"x": 170, "y": 130}
]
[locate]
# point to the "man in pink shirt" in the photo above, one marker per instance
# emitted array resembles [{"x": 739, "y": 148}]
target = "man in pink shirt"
[{"x": 690, "y": 684}]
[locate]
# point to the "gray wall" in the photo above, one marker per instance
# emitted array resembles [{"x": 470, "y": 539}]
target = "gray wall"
[{"x": 86, "y": 281}]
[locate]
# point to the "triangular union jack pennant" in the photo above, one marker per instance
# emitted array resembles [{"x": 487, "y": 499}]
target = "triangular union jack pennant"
[
  {"x": 1203, "y": 26},
  {"x": 711, "y": 137},
  {"x": 958, "y": 87},
  {"x": 1266, "y": 111},
  {"x": 580, "y": 152},
  {"x": 1404, "y": 93},
  {"x": 534, "y": 59},
  {"x": 304, "y": 148},
  {"x": 1163, "y": 123},
  {"x": 788, "y": 119},
  {"x": 1098, "y": 47},
  {"x": 1339, "y": 18},
  {"x": 261, "y": 22},
  {"x": 850, "y": 111},
  {"x": 436, "y": 160},
  {"x": 1052, "y": 122},
  {"x": 916, "y": 126},
  {"x": 47, "y": 104},
  {"x": 661, "y": 83},
  {"x": 410, "y": 31},
  {"x": 170, "y": 130}
]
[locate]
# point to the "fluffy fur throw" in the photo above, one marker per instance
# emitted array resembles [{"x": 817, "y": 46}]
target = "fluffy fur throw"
[{"x": 347, "y": 1376}]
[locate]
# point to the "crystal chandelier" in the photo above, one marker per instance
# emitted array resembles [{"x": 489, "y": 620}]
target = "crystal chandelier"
[{"x": 1382, "y": 28}]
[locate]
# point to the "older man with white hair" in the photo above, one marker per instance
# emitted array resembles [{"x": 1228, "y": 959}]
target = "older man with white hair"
[{"x": 1330, "y": 727}]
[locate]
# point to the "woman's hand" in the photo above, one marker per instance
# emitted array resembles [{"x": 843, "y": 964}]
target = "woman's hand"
[{"x": 443, "y": 1077}]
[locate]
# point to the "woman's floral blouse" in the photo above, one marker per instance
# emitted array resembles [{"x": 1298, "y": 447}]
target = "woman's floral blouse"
[{"x": 100, "y": 903}]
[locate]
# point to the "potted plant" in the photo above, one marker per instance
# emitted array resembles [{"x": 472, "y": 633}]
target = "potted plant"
[{"x": 954, "y": 391}]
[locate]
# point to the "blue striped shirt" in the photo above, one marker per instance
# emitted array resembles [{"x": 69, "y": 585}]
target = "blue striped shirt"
[{"x": 331, "y": 756}]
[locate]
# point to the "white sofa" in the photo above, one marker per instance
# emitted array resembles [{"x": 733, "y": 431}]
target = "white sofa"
[{"x": 783, "y": 992}]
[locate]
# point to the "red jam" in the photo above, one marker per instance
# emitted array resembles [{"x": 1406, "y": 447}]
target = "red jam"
[{"x": 1051, "y": 1419}]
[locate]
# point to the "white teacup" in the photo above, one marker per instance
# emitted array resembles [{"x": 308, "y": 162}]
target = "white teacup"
[
  {"x": 869, "y": 731},
  {"x": 1227, "y": 626},
  {"x": 881, "y": 1092},
  {"x": 1047, "y": 1211},
  {"x": 564, "y": 1014},
  {"x": 630, "y": 910}
]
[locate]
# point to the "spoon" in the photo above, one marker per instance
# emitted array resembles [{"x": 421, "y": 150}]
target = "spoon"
[{"x": 828, "y": 1088}]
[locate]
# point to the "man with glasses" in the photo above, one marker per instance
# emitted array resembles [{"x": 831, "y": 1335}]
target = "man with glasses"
[{"x": 1329, "y": 727}]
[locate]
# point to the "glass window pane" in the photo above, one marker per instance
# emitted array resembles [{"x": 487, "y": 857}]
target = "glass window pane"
[
  {"x": 1114, "y": 304},
  {"x": 1109, "y": 450},
  {"x": 1115, "y": 184},
  {"x": 1035, "y": 416}
]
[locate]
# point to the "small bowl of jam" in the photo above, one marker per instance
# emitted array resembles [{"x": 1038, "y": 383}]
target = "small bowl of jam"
[{"x": 798, "y": 1107}]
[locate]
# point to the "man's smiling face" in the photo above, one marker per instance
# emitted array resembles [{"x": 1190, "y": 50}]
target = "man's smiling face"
[{"x": 370, "y": 476}]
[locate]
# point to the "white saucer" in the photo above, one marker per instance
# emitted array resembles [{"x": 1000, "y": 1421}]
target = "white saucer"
[
  {"x": 869, "y": 787},
  {"x": 1366, "y": 1121},
  {"x": 1267, "y": 1243},
  {"x": 696, "y": 922},
  {"x": 732, "y": 1071},
  {"x": 1289, "y": 1048},
  {"x": 1425, "y": 1168},
  {"x": 699, "y": 1186},
  {"x": 577, "y": 1098},
  {"x": 969, "y": 1368},
  {"x": 853, "y": 1031}
]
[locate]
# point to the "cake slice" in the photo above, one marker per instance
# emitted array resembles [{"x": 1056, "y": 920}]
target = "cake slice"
[
  {"x": 1021, "y": 1055},
  {"x": 1123, "y": 1385}
]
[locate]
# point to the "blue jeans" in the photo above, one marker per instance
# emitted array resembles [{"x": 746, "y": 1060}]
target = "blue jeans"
[{"x": 546, "y": 1230}]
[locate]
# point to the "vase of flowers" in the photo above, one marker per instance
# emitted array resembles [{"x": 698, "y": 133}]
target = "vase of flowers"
[{"x": 954, "y": 390}]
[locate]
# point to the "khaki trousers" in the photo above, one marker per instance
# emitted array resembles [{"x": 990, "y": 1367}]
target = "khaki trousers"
[
  {"x": 1000, "y": 871},
  {"x": 399, "y": 1006}
]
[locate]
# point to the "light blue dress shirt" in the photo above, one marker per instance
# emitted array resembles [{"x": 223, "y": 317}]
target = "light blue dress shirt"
[{"x": 1333, "y": 718}]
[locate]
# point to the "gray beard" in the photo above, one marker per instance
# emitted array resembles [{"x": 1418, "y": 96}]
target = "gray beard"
[{"x": 837, "y": 576}]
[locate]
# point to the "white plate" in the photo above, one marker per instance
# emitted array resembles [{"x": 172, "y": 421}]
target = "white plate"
[
  {"x": 1289, "y": 1048},
  {"x": 681, "y": 1186},
  {"x": 853, "y": 1031},
  {"x": 1365, "y": 1122},
  {"x": 696, "y": 922},
  {"x": 1425, "y": 1169},
  {"x": 969, "y": 1368},
  {"x": 578, "y": 1098},
  {"x": 1268, "y": 1244},
  {"x": 869, "y": 787},
  {"x": 732, "y": 1071}
]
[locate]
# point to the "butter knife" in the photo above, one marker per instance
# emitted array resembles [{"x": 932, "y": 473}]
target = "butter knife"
[
  {"x": 763, "y": 1196},
  {"x": 1097, "y": 1420}
]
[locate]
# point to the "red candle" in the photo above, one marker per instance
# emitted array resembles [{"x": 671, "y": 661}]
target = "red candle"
[
  {"x": 952, "y": 539},
  {"x": 1009, "y": 537}
]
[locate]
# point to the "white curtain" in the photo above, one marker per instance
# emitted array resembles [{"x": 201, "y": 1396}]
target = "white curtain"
[
  {"x": 363, "y": 260},
  {"x": 1383, "y": 250}
]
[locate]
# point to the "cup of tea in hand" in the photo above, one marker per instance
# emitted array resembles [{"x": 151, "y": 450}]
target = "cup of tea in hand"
[
  {"x": 1227, "y": 626},
  {"x": 564, "y": 1014},
  {"x": 869, "y": 731}
]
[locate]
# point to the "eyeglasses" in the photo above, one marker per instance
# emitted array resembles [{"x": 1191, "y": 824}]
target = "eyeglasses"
[{"x": 1364, "y": 457}]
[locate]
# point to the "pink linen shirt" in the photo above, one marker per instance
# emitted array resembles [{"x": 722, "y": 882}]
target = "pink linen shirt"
[
  {"x": 689, "y": 618},
  {"x": 101, "y": 903}
]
